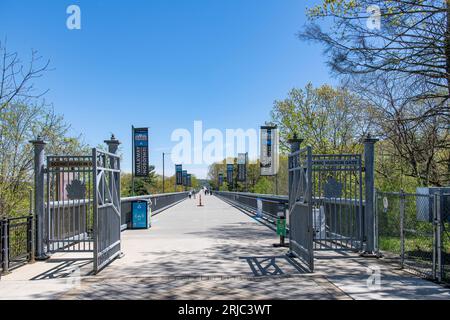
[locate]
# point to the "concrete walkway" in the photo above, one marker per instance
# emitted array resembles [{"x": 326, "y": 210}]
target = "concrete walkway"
[{"x": 210, "y": 252}]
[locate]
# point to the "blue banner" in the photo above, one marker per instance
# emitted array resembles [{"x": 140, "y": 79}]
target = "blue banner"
[
  {"x": 230, "y": 170},
  {"x": 141, "y": 153},
  {"x": 179, "y": 174}
]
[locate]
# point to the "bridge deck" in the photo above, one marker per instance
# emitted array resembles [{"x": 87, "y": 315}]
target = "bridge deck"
[{"x": 210, "y": 252}]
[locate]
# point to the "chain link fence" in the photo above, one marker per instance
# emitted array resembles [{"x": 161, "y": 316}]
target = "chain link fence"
[{"x": 413, "y": 229}]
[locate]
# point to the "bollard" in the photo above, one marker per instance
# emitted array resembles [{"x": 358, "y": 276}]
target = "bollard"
[
  {"x": 281, "y": 225},
  {"x": 200, "y": 202}
]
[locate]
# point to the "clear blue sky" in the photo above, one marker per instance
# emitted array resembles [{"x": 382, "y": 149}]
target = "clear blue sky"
[{"x": 165, "y": 63}]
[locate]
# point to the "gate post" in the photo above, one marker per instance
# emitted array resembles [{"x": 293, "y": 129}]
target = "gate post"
[
  {"x": 39, "y": 190},
  {"x": 5, "y": 245},
  {"x": 113, "y": 144},
  {"x": 369, "y": 216},
  {"x": 295, "y": 144}
]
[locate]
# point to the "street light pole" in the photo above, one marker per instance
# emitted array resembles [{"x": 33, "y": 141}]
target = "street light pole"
[
  {"x": 132, "y": 160},
  {"x": 163, "y": 191},
  {"x": 164, "y": 156}
]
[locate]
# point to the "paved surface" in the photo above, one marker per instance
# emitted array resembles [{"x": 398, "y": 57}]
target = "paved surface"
[{"x": 210, "y": 252}]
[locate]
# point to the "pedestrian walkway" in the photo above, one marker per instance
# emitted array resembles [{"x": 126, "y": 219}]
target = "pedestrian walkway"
[{"x": 211, "y": 252}]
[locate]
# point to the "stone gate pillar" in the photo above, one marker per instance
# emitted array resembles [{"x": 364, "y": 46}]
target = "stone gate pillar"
[
  {"x": 369, "y": 180},
  {"x": 39, "y": 191}
]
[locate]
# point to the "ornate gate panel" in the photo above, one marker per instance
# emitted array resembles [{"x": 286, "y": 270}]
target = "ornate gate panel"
[
  {"x": 338, "y": 202},
  {"x": 69, "y": 209},
  {"x": 107, "y": 209},
  {"x": 300, "y": 206},
  {"x": 83, "y": 210}
]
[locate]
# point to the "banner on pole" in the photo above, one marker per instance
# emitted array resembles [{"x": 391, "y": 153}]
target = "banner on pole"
[
  {"x": 189, "y": 180},
  {"x": 242, "y": 167},
  {"x": 230, "y": 169},
  {"x": 179, "y": 174},
  {"x": 184, "y": 175},
  {"x": 141, "y": 154},
  {"x": 269, "y": 159},
  {"x": 220, "y": 179}
]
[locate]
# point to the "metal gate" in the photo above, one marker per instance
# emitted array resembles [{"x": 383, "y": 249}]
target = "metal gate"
[
  {"x": 325, "y": 203},
  {"x": 300, "y": 206},
  {"x": 107, "y": 212},
  {"x": 337, "y": 202},
  {"x": 70, "y": 190},
  {"x": 83, "y": 205}
]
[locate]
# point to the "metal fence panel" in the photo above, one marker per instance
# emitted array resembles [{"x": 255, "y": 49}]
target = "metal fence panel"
[
  {"x": 300, "y": 206},
  {"x": 161, "y": 202},
  {"x": 16, "y": 242},
  {"x": 69, "y": 206},
  {"x": 249, "y": 202},
  {"x": 338, "y": 202},
  {"x": 107, "y": 208}
]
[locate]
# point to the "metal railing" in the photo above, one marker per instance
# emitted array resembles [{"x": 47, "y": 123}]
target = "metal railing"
[
  {"x": 249, "y": 202},
  {"x": 16, "y": 242},
  {"x": 157, "y": 204},
  {"x": 413, "y": 230}
]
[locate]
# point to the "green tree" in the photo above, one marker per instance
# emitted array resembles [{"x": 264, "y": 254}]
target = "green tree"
[
  {"x": 264, "y": 186},
  {"x": 330, "y": 120},
  {"x": 411, "y": 44},
  {"x": 20, "y": 123},
  {"x": 142, "y": 185}
]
